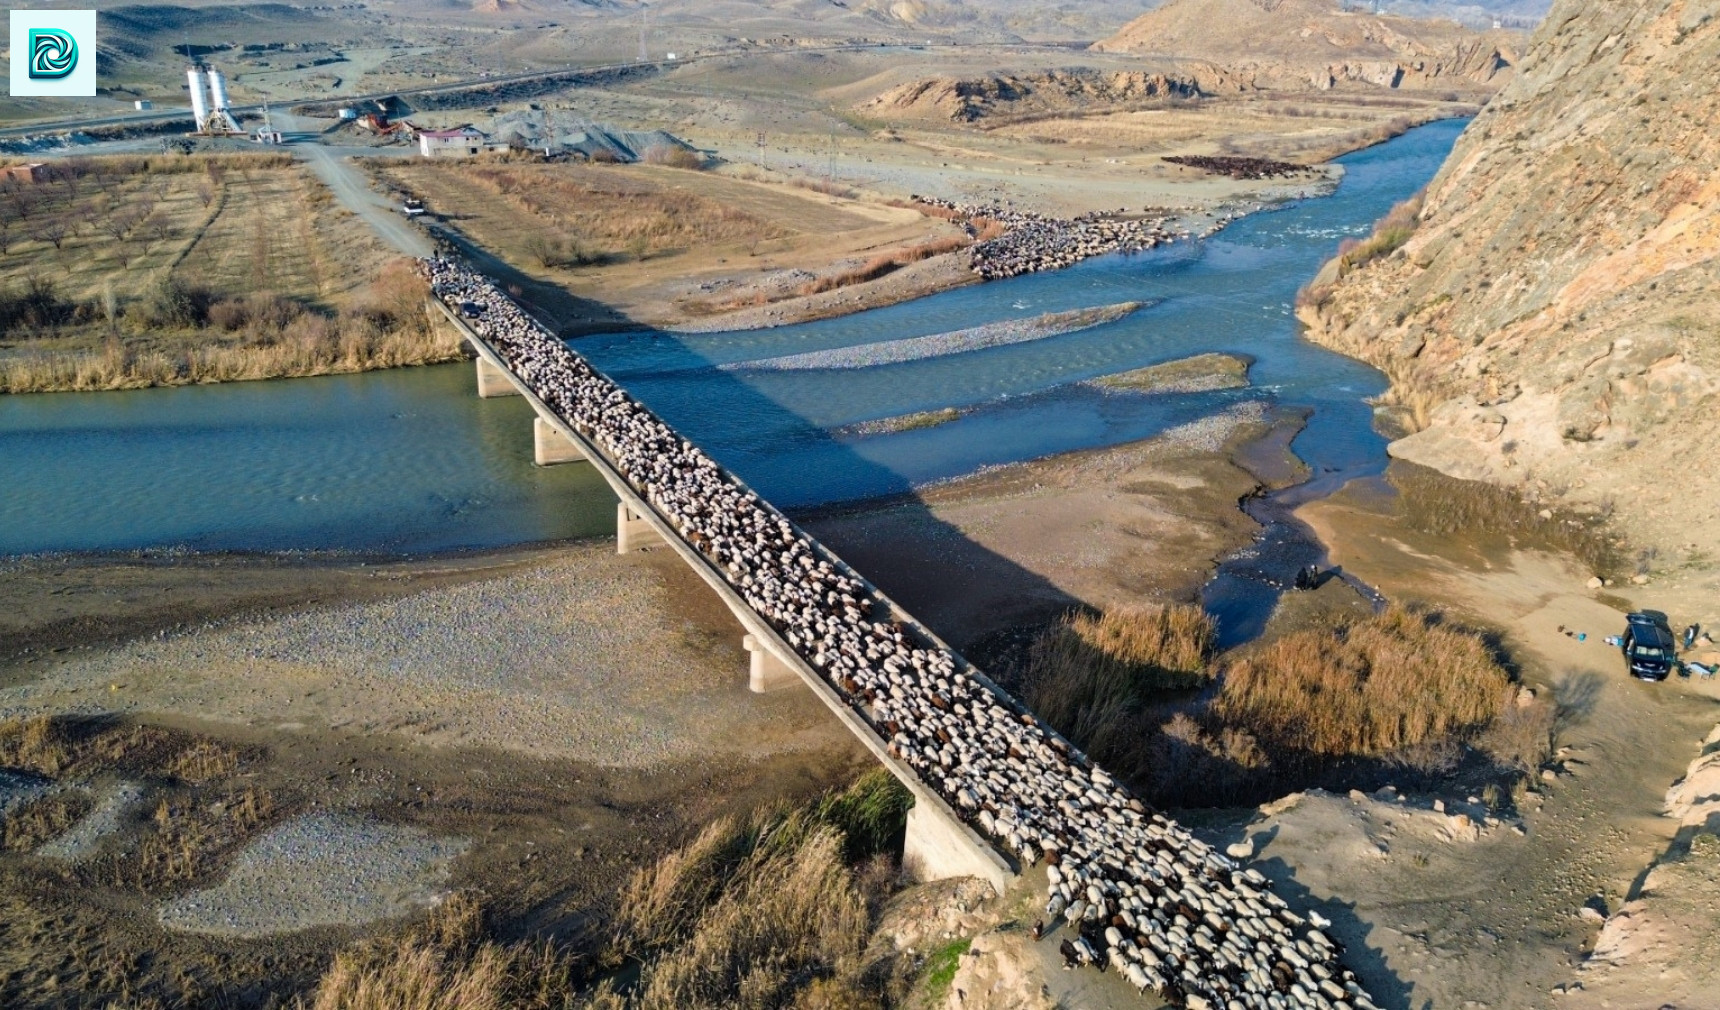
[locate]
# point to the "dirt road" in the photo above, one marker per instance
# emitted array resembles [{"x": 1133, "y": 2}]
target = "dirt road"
[{"x": 350, "y": 187}]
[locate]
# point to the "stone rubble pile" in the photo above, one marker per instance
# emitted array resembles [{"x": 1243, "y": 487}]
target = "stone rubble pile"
[{"x": 1140, "y": 893}]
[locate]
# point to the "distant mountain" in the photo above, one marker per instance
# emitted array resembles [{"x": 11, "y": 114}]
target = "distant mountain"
[
  {"x": 1296, "y": 44},
  {"x": 1553, "y": 310}
]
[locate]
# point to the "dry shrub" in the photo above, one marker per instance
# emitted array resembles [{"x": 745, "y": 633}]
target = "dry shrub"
[
  {"x": 1365, "y": 687},
  {"x": 42, "y": 819},
  {"x": 1093, "y": 676},
  {"x": 1520, "y": 740},
  {"x": 1188, "y": 764},
  {"x": 673, "y": 156}
]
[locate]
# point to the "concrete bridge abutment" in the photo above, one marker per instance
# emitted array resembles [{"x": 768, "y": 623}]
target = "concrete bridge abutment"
[
  {"x": 938, "y": 847},
  {"x": 493, "y": 381},
  {"x": 633, "y": 531},
  {"x": 550, "y": 446}
]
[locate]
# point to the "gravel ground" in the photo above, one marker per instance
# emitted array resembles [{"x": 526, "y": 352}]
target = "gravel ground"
[
  {"x": 82, "y": 838},
  {"x": 319, "y": 870},
  {"x": 589, "y": 656},
  {"x": 890, "y": 352},
  {"x": 16, "y": 789}
]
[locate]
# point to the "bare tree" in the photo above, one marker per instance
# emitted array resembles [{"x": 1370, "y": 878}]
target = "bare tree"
[
  {"x": 51, "y": 229},
  {"x": 22, "y": 200},
  {"x": 159, "y": 227},
  {"x": 205, "y": 192}
]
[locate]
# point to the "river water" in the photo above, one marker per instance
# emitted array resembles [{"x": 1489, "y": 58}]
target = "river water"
[{"x": 410, "y": 461}]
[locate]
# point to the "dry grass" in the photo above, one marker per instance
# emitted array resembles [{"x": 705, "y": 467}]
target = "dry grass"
[
  {"x": 1389, "y": 235},
  {"x": 764, "y": 911},
  {"x": 186, "y": 339},
  {"x": 446, "y": 964},
  {"x": 190, "y": 837},
  {"x": 40, "y": 744},
  {"x": 826, "y": 187},
  {"x": 1365, "y": 688},
  {"x": 42, "y": 819},
  {"x": 611, "y": 213},
  {"x": 1093, "y": 677},
  {"x": 884, "y": 264},
  {"x": 63, "y": 746},
  {"x": 107, "y": 279}
]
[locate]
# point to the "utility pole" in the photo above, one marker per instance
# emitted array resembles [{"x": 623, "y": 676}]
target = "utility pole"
[{"x": 644, "y": 23}]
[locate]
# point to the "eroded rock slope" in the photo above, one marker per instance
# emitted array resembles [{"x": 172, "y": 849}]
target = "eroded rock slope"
[
  {"x": 1556, "y": 309},
  {"x": 1315, "y": 44}
]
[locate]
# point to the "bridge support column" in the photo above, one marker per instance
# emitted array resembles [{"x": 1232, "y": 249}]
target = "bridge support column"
[
  {"x": 492, "y": 381},
  {"x": 938, "y": 848},
  {"x": 550, "y": 446},
  {"x": 767, "y": 672},
  {"x": 632, "y": 531}
]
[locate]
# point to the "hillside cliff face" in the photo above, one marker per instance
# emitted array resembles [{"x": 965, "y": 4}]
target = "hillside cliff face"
[
  {"x": 1313, "y": 44},
  {"x": 1558, "y": 303}
]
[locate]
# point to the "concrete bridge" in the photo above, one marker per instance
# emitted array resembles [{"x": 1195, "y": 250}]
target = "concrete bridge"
[
  {"x": 990, "y": 782},
  {"x": 939, "y": 844}
]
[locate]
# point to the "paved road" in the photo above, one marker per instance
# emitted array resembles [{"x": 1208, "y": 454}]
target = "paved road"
[{"x": 354, "y": 192}]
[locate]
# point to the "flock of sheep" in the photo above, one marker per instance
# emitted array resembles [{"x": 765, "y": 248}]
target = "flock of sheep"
[
  {"x": 1034, "y": 242},
  {"x": 1138, "y": 892}
]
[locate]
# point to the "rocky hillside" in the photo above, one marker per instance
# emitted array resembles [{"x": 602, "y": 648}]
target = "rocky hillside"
[
  {"x": 1302, "y": 44},
  {"x": 967, "y": 100},
  {"x": 1552, "y": 312}
]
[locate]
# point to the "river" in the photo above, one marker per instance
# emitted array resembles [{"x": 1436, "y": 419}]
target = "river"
[{"x": 410, "y": 461}]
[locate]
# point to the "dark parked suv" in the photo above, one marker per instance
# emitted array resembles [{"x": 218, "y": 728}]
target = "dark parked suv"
[{"x": 1649, "y": 649}]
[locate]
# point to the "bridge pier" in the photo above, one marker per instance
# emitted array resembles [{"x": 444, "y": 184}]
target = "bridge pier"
[
  {"x": 632, "y": 531},
  {"x": 550, "y": 446},
  {"x": 492, "y": 381},
  {"x": 938, "y": 847},
  {"x": 766, "y": 672}
]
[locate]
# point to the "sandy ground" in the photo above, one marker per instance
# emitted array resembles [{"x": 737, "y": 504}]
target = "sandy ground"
[
  {"x": 1434, "y": 919},
  {"x": 983, "y": 558}
]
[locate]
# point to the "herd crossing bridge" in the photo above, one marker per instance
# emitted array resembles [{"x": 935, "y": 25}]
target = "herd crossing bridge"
[{"x": 996, "y": 791}]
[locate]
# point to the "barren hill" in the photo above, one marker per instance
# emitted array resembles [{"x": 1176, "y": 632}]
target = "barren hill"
[
  {"x": 1555, "y": 305},
  {"x": 968, "y": 99},
  {"x": 1290, "y": 44}
]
